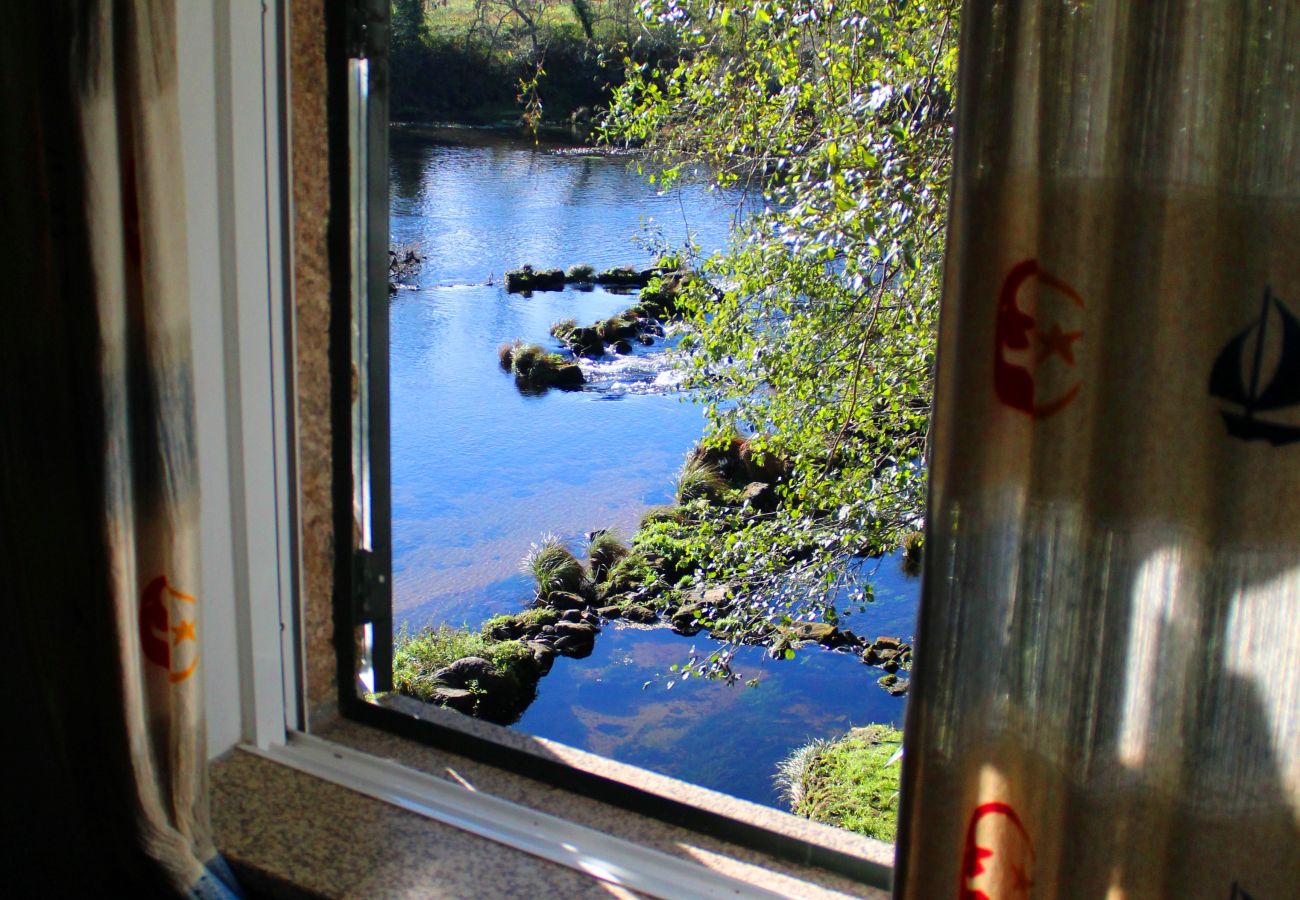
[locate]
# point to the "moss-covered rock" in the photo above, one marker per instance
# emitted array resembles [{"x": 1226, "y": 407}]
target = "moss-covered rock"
[
  {"x": 534, "y": 367},
  {"x": 468, "y": 671},
  {"x": 580, "y": 273},
  {"x": 526, "y": 278}
]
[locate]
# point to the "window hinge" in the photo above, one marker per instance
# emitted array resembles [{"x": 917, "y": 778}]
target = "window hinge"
[
  {"x": 366, "y": 22},
  {"x": 369, "y": 587}
]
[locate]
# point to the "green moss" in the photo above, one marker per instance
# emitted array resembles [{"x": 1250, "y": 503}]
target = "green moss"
[
  {"x": 849, "y": 782},
  {"x": 554, "y": 567},
  {"x": 529, "y": 618}
]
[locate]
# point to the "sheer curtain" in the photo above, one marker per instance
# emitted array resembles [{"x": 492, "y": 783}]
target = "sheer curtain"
[
  {"x": 98, "y": 467},
  {"x": 1107, "y": 701}
]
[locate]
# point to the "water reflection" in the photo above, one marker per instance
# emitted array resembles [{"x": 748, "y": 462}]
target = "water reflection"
[{"x": 481, "y": 470}]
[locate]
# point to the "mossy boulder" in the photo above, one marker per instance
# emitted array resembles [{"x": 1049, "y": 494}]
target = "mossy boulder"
[
  {"x": 622, "y": 276},
  {"x": 535, "y": 367},
  {"x": 526, "y": 278}
]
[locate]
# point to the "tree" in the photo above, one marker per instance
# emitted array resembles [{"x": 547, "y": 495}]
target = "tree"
[{"x": 835, "y": 116}]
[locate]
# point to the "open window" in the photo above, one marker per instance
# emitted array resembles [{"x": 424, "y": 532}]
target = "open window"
[{"x": 628, "y": 406}]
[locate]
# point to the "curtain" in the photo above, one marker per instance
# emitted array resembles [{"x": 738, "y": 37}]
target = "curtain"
[
  {"x": 1107, "y": 694},
  {"x": 99, "y": 473}
]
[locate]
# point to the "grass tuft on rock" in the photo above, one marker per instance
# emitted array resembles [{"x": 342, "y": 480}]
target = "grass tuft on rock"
[
  {"x": 666, "y": 513},
  {"x": 700, "y": 479},
  {"x": 913, "y": 551},
  {"x": 848, "y": 782},
  {"x": 554, "y": 567},
  {"x": 604, "y": 550}
]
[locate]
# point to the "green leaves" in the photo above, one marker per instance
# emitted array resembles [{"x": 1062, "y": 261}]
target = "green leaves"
[{"x": 837, "y": 115}]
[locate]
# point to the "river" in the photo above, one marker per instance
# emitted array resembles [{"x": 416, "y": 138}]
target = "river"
[{"x": 481, "y": 471}]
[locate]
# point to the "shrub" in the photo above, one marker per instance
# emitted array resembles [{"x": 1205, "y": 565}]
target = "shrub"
[
  {"x": 554, "y": 568},
  {"x": 667, "y": 541}
]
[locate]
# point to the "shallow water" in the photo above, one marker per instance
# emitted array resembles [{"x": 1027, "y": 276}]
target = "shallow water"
[{"x": 481, "y": 471}]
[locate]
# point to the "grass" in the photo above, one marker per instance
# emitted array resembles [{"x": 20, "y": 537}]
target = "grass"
[
  {"x": 603, "y": 552},
  {"x": 629, "y": 573},
  {"x": 416, "y": 657},
  {"x": 667, "y": 513},
  {"x": 849, "y": 782},
  {"x": 525, "y": 357},
  {"x": 554, "y": 568},
  {"x": 563, "y": 328},
  {"x": 913, "y": 549},
  {"x": 700, "y": 479}
]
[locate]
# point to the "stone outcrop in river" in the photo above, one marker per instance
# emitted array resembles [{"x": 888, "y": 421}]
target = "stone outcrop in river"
[
  {"x": 533, "y": 367},
  {"x": 649, "y": 582},
  {"x": 528, "y": 278}
]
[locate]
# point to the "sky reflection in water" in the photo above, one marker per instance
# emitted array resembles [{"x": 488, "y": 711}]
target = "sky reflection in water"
[{"x": 481, "y": 471}]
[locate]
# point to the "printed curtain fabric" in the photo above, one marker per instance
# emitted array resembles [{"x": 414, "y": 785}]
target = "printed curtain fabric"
[
  {"x": 99, "y": 467},
  {"x": 1107, "y": 700}
]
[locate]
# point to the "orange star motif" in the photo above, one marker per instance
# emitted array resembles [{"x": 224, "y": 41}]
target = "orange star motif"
[
  {"x": 1058, "y": 342},
  {"x": 183, "y": 631}
]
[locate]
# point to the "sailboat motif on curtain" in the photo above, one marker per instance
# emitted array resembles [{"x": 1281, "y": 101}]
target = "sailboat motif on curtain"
[{"x": 1236, "y": 378}]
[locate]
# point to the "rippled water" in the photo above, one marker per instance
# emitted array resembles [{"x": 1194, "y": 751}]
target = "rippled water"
[{"x": 480, "y": 471}]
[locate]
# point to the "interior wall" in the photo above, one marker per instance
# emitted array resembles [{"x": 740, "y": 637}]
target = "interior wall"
[{"x": 310, "y": 177}]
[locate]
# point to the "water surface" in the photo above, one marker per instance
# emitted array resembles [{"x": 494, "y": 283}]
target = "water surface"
[{"x": 481, "y": 471}]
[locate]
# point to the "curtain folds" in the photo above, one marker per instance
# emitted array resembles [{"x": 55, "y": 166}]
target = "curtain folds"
[
  {"x": 99, "y": 468},
  {"x": 1107, "y": 701}
]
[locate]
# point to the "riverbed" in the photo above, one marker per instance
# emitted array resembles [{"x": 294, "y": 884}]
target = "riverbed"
[{"x": 481, "y": 471}]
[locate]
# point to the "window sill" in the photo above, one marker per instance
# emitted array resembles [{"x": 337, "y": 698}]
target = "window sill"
[{"x": 323, "y": 838}]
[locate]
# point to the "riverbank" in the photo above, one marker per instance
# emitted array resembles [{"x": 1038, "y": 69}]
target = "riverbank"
[{"x": 494, "y": 63}]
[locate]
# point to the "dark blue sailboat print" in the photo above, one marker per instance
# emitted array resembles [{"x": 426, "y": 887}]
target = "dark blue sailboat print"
[{"x": 1282, "y": 390}]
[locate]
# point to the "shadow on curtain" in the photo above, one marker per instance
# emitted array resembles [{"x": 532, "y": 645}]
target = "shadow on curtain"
[
  {"x": 106, "y": 788},
  {"x": 1107, "y": 698}
]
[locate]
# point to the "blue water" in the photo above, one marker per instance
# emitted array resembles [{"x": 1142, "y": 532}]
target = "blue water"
[{"x": 481, "y": 471}]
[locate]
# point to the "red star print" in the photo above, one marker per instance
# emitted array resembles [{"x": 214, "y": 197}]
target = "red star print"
[{"x": 1058, "y": 342}]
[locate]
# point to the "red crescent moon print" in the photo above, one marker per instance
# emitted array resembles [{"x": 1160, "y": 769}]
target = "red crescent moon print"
[
  {"x": 998, "y": 855},
  {"x": 159, "y": 638},
  {"x": 1016, "y": 330}
]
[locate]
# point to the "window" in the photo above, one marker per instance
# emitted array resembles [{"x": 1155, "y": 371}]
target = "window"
[{"x": 364, "y": 511}]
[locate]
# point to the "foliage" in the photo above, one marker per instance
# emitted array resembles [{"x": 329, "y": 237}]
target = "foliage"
[
  {"x": 851, "y": 782},
  {"x": 554, "y": 567},
  {"x": 837, "y": 114},
  {"x": 485, "y": 61}
]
